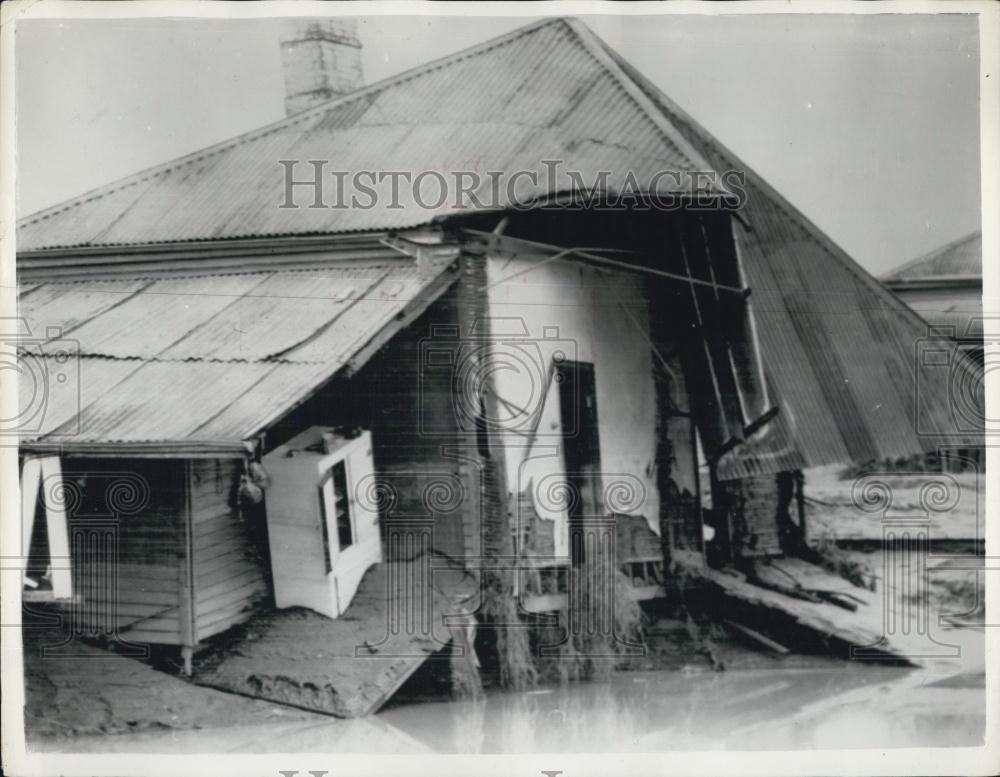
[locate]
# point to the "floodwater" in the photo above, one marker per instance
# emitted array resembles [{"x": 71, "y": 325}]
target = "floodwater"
[
  {"x": 760, "y": 702},
  {"x": 779, "y": 703}
]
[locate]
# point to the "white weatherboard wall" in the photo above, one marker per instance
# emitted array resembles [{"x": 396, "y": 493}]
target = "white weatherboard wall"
[{"x": 590, "y": 315}]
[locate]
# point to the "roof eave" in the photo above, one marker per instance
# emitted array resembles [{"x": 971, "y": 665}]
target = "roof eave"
[
  {"x": 936, "y": 282},
  {"x": 198, "y": 257},
  {"x": 188, "y": 449}
]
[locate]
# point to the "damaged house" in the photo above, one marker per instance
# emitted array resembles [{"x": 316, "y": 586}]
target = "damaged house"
[{"x": 411, "y": 420}]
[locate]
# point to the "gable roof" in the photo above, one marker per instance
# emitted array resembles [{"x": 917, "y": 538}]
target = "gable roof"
[
  {"x": 962, "y": 258},
  {"x": 838, "y": 348},
  {"x": 488, "y": 108}
]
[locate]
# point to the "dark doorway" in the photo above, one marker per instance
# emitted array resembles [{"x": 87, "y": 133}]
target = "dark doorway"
[{"x": 581, "y": 449}]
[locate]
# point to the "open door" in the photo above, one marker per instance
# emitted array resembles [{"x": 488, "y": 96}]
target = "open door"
[
  {"x": 351, "y": 532},
  {"x": 45, "y": 544},
  {"x": 581, "y": 449}
]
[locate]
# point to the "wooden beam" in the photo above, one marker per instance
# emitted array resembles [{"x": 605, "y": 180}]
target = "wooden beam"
[
  {"x": 588, "y": 256},
  {"x": 188, "y": 625},
  {"x": 757, "y": 637},
  {"x": 233, "y": 449}
]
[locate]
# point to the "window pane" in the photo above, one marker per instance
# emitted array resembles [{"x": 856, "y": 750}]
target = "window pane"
[{"x": 345, "y": 534}]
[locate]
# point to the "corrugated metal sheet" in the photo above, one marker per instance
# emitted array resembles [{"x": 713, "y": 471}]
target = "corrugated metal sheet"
[
  {"x": 490, "y": 108},
  {"x": 839, "y": 350},
  {"x": 958, "y": 314},
  {"x": 67, "y": 305},
  {"x": 207, "y": 359},
  {"x": 960, "y": 258}
]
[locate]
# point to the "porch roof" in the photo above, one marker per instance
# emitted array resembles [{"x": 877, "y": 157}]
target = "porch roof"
[{"x": 203, "y": 362}]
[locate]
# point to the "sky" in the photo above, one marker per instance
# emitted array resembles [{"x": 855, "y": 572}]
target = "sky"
[{"x": 869, "y": 125}]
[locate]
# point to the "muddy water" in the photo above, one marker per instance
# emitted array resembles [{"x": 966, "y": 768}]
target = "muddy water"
[
  {"x": 751, "y": 710},
  {"x": 760, "y": 702},
  {"x": 817, "y": 703}
]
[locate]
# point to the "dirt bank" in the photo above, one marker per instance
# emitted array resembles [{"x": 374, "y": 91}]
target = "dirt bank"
[{"x": 88, "y": 690}]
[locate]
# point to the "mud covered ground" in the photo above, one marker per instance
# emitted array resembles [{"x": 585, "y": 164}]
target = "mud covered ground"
[
  {"x": 834, "y": 508},
  {"x": 96, "y": 693},
  {"x": 673, "y": 697}
]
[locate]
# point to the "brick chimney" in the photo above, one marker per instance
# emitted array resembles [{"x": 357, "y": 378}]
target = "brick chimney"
[{"x": 321, "y": 59}]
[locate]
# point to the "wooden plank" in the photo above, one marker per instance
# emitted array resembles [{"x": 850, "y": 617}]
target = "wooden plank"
[
  {"x": 300, "y": 657},
  {"x": 154, "y": 637},
  {"x": 162, "y": 572},
  {"x": 757, "y": 637},
  {"x": 829, "y": 624},
  {"x": 212, "y": 620},
  {"x": 207, "y": 513},
  {"x": 214, "y": 509},
  {"x": 222, "y": 561},
  {"x": 225, "y": 567},
  {"x": 223, "y": 620},
  {"x": 247, "y": 592},
  {"x": 166, "y": 624},
  {"x": 93, "y": 576},
  {"x": 131, "y": 597},
  {"x": 130, "y": 609},
  {"x": 185, "y": 598},
  {"x": 206, "y": 554},
  {"x": 217, "y": 533},
  {"x": 203, "y": 519},
  {"x": 238, "y": 582}
]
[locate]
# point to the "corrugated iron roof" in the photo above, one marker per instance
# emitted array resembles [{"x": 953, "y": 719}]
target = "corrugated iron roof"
[
  {"x": 960, "y": 315},
  {"x": 962, "y": 258},
  {"x": 201, "y": 359},
  {"x": 490, "y": 108},
  {"x": 839, "y": 350}
]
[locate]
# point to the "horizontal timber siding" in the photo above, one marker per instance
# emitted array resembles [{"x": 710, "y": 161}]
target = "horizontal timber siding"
[
  {"x": 228, "y": 573},
  {"x": 127, "y": 546}
]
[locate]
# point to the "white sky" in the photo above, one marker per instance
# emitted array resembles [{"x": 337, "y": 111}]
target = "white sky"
[{"x": 869, "y": 125}]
